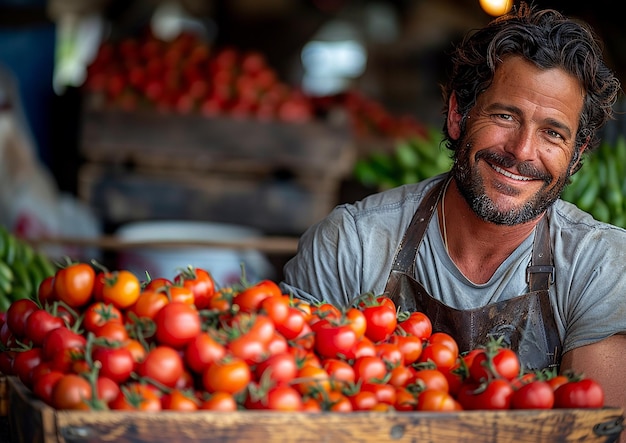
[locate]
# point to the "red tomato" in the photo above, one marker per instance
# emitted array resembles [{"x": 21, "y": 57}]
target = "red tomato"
[
  {"x": 409, "y": 345},
  {"x": 121, "y": 288},
  {"x": 430, "y": 379},
  {"x": 363, "y": 400},
  {"x": 584, "y": 393},
  {"x": 435, "y": 400},
  {"x": 177, "y": 324},
  {"x": 136, "y": 397},
  {"x": 495, "y": 394},
  {"x": 201, "y": 351},
  {"x": 536, "y": 394},
  {"x": 113, "y": 331},
  {"x": 71, "y": 391},
  {"x": 39, "y": 323},
  {"x": 357, "y": 321},
  {"x": 179, "y": 400},
  {"x": 381, "y": 321},
  {"x": 61, "y": 339},
  {"x": 250, "y": 299},
  {"x": 99, "y": 313},
  {"x": 230, "y": 374},
  {"x": 340, "y": 371},
  {"x": 74, "y": 284},
  {"x": 17, "y": 314},
  {"x": 385, "y": 393},
  {"x": 369, "y": 369},
  {"x": 220, "y": 401},
  {"x": 24, "y": 362},
  {"x": 440, "y": 355},
  {"x": 283, "y": 397},
  {"x": 44, "y": 385},
  {"x": 149, "y": 303},
  {"x": 115, "y": 363},
  {"x": 333, "y": 341},
  {"x": 488, "y": 364},
  {"x": 45, "y": 291},
  {"x": 406, "y": 400},
  {"x": 162, "y": 364},
  {"x": 108, "y": 389},
  {"x": 415, "y": 323},
  {"x": 390, "y": 353},
  {"x": 201, "y": 284},
  {"x": 280, "y": 368}
]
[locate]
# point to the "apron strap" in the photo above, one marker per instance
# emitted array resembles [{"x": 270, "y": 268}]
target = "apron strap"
[
  {"x": 540, "y": 271},
  {"x": 404, "y": 260}
]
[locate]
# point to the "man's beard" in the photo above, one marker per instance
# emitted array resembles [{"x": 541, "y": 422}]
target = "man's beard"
[{"x": 470, "y": 184}]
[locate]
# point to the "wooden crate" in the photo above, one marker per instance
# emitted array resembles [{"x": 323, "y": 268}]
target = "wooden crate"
[
  {"x": 276, "y": 177},
  {"x": 32, "y": 421}
]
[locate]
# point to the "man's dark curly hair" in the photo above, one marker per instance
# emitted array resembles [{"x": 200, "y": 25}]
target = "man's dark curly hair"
[{"x": 549, "y": 40}]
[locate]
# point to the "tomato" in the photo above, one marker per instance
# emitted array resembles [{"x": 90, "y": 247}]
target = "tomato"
[
  {"x": 432, "y": 379},
  {"x": 410, "y": 347},
  {"x": 293, "y": 323},
  {"x": 137, "y": 350},
  {"x": 385, "y": 393},
  {"x": 401, "y": 376},
  {"x": 45, "y": 291},
  {"x": 364, "y": 347},
  {"x": 436, "y": 400},
  {"x": 180, "y": 294},
  {"x": 313, "y": 379},
  {"x": 283, "y": 397},
  {"x": 363, "y": 400},
  {"x": 492, "y": 395},
  {"x": 440, "y": 355},
  {"x": 369, "y": 369},
  {"x": 157, "y": 284},
  {"x": 406, "y": 400},
  {"x": 321, "y": 311},
  {"x": 381, "y": 321},
  {"x": 220, "y": 401},
  {"x": 202, "y": 350},
  {"x": 340, "y": 371},
  {"x": 149, "y": 303},
  {"x": 116, "y": 363},
  {"x": 74, "y": 284},
  {"x": 99, "y": 313},
  {"x": 583, "y": 393},
  {"x": 501, "y": 362},
  {"x": 536, "y": 394},
  {"x": 229, "y": 374},
  {"x": 201, "y": 284},
  {"x": 446, "y": 340},
  {"x": 44, "y": 385},
  {"x": 333, "y": 341},
  {"x": 335, "y": 401},
  {"x": 71, "y": 391},
  {"x": 162, "y": 364},
  {"x": 250, "y": 299},
  {"x": 61, "y": 339},
  {"x": 557, "y": 380},
  {"x": 177, "y": 324},
  {"x": 107, "y": 389},
  {"x": 121, "y": 288},
  {"x": 136, "y": 396},
  {"x": 39, "y": 323},
  {"x": 17, "y": 315},
  {"x": 357, "y": 321},
  {"x": 390, "y": 353},
  {"x": 280, "y": 368},
  {"x": 24, "y": 362},
  {"x": 416, "y": 324},
  {"x": 179, "y": 400},
  {"x": 277, "y": 344},
  {"x": 113, "y": 331}
]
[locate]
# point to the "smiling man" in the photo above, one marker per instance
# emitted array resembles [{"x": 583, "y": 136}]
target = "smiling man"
[{"x": 489, "y": 249}]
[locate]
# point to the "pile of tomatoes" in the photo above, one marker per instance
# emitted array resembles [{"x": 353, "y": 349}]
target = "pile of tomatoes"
[{"x": 99, "y": 339}]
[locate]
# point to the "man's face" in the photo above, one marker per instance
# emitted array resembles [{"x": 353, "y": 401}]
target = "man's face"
[{"x": 517, "y": 150}]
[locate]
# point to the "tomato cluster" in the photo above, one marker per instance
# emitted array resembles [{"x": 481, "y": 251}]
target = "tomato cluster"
[{"x": 99, "y": 339}]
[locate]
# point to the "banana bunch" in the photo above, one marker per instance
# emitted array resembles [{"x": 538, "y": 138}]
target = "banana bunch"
[
  {"x": 410, "y": 161},
  {"x": 22, "y": 269},
  {"x": 599, "y": 187}
]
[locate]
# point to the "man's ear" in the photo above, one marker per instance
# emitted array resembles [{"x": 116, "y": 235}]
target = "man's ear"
[{"x": 454, "y": 118}]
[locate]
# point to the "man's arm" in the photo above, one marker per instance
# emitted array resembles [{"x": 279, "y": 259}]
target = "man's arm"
[{"x": 605, "y": 362}]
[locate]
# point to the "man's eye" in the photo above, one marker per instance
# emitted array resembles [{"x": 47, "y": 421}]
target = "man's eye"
[
  {"x": 507, "y": 117},
  {"x": 553, "y": 134}
]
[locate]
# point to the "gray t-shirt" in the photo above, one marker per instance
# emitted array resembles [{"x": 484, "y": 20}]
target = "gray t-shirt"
[{"x": 350, "y": 253}]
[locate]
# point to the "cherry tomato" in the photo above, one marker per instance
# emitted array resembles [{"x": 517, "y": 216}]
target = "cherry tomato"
[
  {"x": 39, "y": 323},
  {"x": 488, "y": 364},
  {"x": 430, "y": 379},
  {"x": 121, "y": 288},
  {"x": 435, "y": 400},
  {"x": 201, "y": 284},
  {"x": 492, "y": 395},
  {"x": 162, "y": 364},
  {"x": 220, "y": 401},
  {"x": 369, "y": 369},
  {"x": 116, "y": 363},
  {"x": 583, "y": 393},
  {"x": 202, "y": 350},
  {"x": 333, "y": 341},
  {"x": 45, "y": 291},
  {"x": 229, "y": 374},
  {"x": 177, "y": 324},
  {"x": 250, "y": 298},
  {"x": 74, "y": 284},
  {"x": 179, "y": 400},
  {"x": 415, "y": 323},
  {"x": 99, "y": 313},
  {"x": 136, "y": 396},
  {"x": 71, "y": 391},
  {"x": 381, "y": 321},
  {"x": 536, "y": 394},
  {"x": 280, "y": 368},
  {"x": 17, "y": 315}
]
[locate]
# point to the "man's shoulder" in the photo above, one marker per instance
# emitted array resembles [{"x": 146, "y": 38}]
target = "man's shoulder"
[{"x": 571, "y": 221}]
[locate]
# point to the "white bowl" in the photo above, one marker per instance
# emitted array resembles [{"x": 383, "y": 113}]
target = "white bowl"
[{"x": 224, "y": 264}]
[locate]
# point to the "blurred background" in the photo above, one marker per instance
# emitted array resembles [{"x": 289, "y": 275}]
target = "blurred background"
[{"x": 257, "y": 115}]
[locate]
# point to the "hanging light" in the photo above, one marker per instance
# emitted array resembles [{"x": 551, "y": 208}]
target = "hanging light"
[{"x": 496, "y": 7}]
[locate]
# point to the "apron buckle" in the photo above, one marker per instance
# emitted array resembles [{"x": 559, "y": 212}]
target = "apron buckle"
[{"x": 540, "y": 269}]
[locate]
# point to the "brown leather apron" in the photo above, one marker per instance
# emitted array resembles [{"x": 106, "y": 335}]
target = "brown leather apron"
[{"x": 526, "y": 322}]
